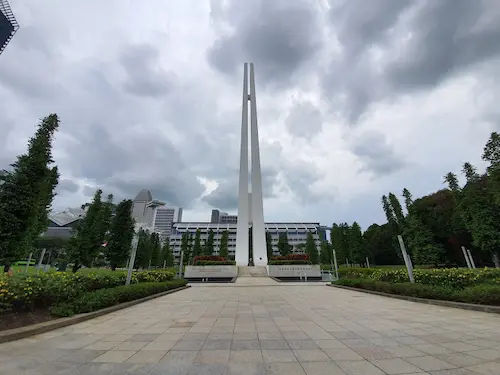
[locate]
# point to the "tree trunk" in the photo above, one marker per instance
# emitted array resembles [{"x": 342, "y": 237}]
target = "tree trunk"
[{"x": 496, "y": 261}]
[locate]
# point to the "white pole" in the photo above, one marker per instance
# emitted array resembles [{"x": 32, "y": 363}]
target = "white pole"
[
  {"x": 29, "y": 261},
  {"x": 406, "y": 258},
  {"x": 135, "y": 242},
  {"x": 41, "y": 259},
  {"x": 466, "y": 257},
  {"x": 335, "y": 260},
  {"x": 367, "y": 262},
  {"x": 180, "y": 264},
  {"x": 471, "y": 259}
]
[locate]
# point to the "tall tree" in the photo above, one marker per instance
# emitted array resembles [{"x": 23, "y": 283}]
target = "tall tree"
[
  {"x": 389, "y": 213},
  {"x": 356, "y": 244},
  {"x": 209, "y": 244},
  {"x": 491, "y": 154},
  {"x": 26, "y": 194},
  {"x": 223, "y": 250},
  {"x": 340, "y": 241},
  {"x": 381, "y": 245},
  {"x": 167, "y": 253},
  {"x": 155, "y": 250},
  {"x": 452, "y": 181},
  {"x": 143, "y": 254},
  {"x": 90, "y": 233},
  {"x": 397, "y": 209},
  {"x": 408, "y": 199},
  {"x": 197, "y": 249},
  {"x": 311, "y": 249},
  {"x": 420, "y": 241},
  {"x": 269, "y": 245},
  {"x": 121, "y": 235},
  {"x": 283, "y": 246},
  {"x": 325, "y": 254},
  {"x": 470, "y": 172},
  {"x": 185, "y": 248}
]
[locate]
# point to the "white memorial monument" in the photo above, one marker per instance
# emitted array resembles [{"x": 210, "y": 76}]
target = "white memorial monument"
[{"x": 250, "y": 207}]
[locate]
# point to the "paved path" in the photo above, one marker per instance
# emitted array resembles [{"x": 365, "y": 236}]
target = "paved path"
[{"x": 290, "y": 329}]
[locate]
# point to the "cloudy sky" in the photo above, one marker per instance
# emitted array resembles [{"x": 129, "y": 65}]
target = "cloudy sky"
[{"x": 355, "y": 98}]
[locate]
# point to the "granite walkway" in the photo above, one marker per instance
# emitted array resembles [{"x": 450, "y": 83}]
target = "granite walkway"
[{"x": 267, "y": 329}]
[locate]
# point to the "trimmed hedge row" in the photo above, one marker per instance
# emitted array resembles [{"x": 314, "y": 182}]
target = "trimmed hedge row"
[
  {"x": 485, "y": 294},
  {"x": 457, "y": 278},
  {"x": 26, "y": 291},
  {"x": 99, "y": 299},
  {"x": 215, "y": 263},
  {"x": 285, "y": 262}
]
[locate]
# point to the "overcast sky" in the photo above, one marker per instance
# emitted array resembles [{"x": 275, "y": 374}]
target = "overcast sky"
[{"x": 354, "y": 98}]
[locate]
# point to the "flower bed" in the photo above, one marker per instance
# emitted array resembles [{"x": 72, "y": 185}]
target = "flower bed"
[
  {"x": 290, "y": 259},
  {"x": 212, "y": 260},
  {"x": 487, "y": 294},
  {"x": 27, "y": 291},
  {"x": 457, "y": 278}
]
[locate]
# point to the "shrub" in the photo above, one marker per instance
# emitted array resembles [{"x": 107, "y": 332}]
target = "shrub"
[
  {"x": 201, "y": 260},
  {"x": 26, "y": 291},
  {"x": 480, "y": 294},
  {"x": 284, "y": 262},
  {"x": 450, "y": 277},
  {"x": 99, "y": 299}
]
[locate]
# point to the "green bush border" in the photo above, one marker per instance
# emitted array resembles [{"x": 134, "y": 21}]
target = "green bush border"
[
  {"x": 99, "y": 299},
  {"x": 483, "y": 294}
]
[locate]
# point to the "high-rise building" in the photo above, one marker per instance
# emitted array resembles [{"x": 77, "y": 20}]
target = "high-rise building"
[
  {"x": 250, "y": 206},
  {"x": 164, "y": 219},
  {"x": 223, "y": 217}
]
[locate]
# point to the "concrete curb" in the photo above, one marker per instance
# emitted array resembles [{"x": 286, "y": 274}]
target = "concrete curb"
[
  {"x": 35, "y": 329},
  {"x": 438, "y": 302}
]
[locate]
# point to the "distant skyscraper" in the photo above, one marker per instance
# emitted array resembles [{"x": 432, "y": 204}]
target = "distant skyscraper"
[
  {"x": 250, "y": 206},
  {"x": 223, "y": 217},
  {"x": 164, "y": 219}
]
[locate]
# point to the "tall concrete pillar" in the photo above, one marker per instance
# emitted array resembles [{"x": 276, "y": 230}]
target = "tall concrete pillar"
[
  {"x": 250, "y": 206},
  {"x": 241, "y": 252}
]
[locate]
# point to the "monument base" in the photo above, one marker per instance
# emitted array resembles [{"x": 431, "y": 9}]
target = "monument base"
[
  {"x": 225, "y": 273},
  {"x": 295, "y": 271}
]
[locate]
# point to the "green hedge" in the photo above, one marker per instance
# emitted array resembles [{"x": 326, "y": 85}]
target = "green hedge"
[
  {"x": 26, "y": 291},
  {"x": 487, "y": 294},
  {"x": 99, "y": 299},
  {"x": 450, "y": 277}
]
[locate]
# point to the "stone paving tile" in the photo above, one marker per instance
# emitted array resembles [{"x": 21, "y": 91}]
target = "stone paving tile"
[
  {"x": 488, "y": 368},
  {"x": 310, "y": 355},
  {"x": 80, "y": 355},
  {"x": 430, "y": 363},
  {"x": 359, "y": 368},
  {"x": 115, "y": 356},
  {"x": 395, "y": 366},
  {"x": 487, "y": 354},
  {"x": 342, "y": 354},
  {"x": 322, "y": 368},
  {"x": 302, "y": 344},
  {"x": 130, "y": 345},
  {"x": 284, "y": 368},
  {"x": 147, "y": 356},
  {"x": 274, "y": 344},
  {"x": 246, "y": 368},
  {"x": 250, "y": 355},
  {"x": 212, "y": 356},
  {"x": 278, "y": 355}
]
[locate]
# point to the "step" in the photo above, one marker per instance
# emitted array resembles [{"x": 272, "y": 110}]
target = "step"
[{"x": 252, "y": 271}]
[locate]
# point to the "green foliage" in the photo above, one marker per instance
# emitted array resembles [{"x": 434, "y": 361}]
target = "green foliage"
[
  {"x": 102, "y": 298},
  {"x": 86, "y": 245},
  {"x": 155, "y": 250},
  {"x": 450, "y": 277},
  {"x": 283, "y": 246},
  {"x": 209, "y": 244},
  {"x": 269, "y": 245},
  {"x": 325, "y": 254},
  {"x": 285, "y": 262},
  {"x": 168, "y": 256},
  {"x": 121, "y": 235},
  {"x": 311, "y": 249},
  {"x": 185, "y": 248},
  {"x": 144, "y": 249},
  {"x": 420, "y": 242},
  {"x": 26, "y": 194},
  {"x": 223, "y": 250},
  {"x": 197, "y": 249},
  {"x": 488, "y": 294},
  {"x": 381, "y": 246},
  {"x": 226, "y": 262},
  {"x": 452, "y": 181},
  {"x": 356, "y": 244},
  {"x": 397, "y": 209},
  {"x": 26, "y": 291}
]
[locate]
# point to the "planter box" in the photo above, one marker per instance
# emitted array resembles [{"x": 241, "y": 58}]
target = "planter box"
[
  {"x": 211, "y": 273},
  {"x": 295, "y": 271}
]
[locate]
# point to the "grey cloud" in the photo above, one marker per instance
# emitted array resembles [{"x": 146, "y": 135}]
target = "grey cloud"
[
  {"x": 279, "y": 36},
  {"x": 417, "y": 44},
  {"x": 144, "y": 76},
  {"x": 304, "y": 120},
  {"x": 376, "y": 154},
  {"x": 67, "y": 185}
]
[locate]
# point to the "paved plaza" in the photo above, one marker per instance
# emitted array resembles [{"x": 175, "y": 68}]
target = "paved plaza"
[{"x": 267, "y": 329}]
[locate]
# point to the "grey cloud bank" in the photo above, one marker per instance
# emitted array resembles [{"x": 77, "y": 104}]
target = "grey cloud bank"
[{"x": 352, "y": 104}]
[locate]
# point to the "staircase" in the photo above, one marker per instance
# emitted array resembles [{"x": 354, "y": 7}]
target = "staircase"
[{"x": 252, "y": 271}]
